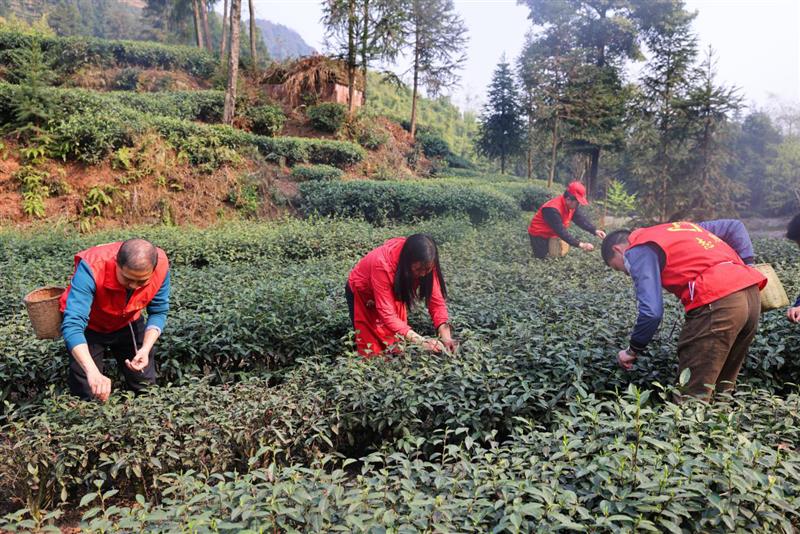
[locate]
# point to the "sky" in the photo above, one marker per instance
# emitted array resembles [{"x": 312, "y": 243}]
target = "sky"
[{"x": 757, "y": 42}]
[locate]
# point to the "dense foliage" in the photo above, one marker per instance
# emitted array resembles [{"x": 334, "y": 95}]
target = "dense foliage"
[
  {"x": 73, "y": 53},
  {"x": 266, "y": 119},
  {"x": 328, "y": 116},
  {"x": 379, "y": 202},
  {"x": 517, "y": 429},
  {"x": 439, "y": 115},
  {"x": 302, "y": 173},
  {"x": 88, "y": 126}
]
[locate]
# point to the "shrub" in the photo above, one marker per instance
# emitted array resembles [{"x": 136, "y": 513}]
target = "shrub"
[
  {"x": 72, "y": 53},
  {"x": 88, "y": 126},
  {"x": 526, "y": 427},
  {"x": 205, "y": 106},
  {"x": 303, "y": 173},
  {"x": 328, "y": 116},
  {"x": 458, "y": 162},
  {"x": 90, "y": 138},
  {"x": 266, "y": 120},
  {"x": 127, "y": 79},
  {"x": 367, "y": 131},
  {"x": 606, "y": 466},
  {"x": 379, "y": 202},
  {"x": 432, "y": 145}
]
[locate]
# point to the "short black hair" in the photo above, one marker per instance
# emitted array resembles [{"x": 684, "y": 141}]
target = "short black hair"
[
  {"x": 614, "y": 238},
  {"x": 793, "y": 229},
  {"x": 137, "y": 254}
]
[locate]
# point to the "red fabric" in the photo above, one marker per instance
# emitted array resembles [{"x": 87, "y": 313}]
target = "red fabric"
[
  {"x": 700, "y": 267},
  {"x": 380, "y": 318},
  {"x": 578, "y": 190},
  {"x": 109, "y": 310},
  {"x": 540, "y": 228}
]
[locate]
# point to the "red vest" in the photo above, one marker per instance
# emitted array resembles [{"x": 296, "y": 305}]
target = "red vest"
[
  {"x": 109, "y": 311},
  {"x": 540, "y": 228},
  {"x": 700, "y": 267}
]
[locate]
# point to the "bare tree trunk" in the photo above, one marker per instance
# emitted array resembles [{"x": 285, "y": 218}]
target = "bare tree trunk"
[
  {"x": 553, "y": 153},
  {"x": 223, "y": 47},
  {"x": 529, "y": 159},
  {"x": 198, "y": 29},
  {"x": 206, "y": 30},
  {"x": 593, "y": 170},
  {"x": 503, "y": 163},
  {"x": 414, "y": 92},
  {"x": 253, "y": 56},
  {"x": 233, "y": 62},
  {"x": 351, "y": 55},
  {"x": 364, "y": 51}
]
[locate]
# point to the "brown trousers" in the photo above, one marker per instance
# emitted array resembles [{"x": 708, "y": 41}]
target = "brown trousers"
[{"x": 715, "y": 339}]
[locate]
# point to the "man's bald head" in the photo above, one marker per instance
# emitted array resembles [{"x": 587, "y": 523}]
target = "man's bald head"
[{"x": 137, "y": 255}]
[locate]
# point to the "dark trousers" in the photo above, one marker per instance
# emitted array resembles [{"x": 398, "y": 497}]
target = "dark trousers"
[
  {"x": 540, "y": 246},
  {"x": 715, "y": 339},
  {"x": 348, "y": 294},
  {"x": 120, "y": 345}
]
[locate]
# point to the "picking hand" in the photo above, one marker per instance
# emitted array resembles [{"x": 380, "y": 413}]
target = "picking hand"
[
  {"x": 432, "y": 345},
  {"x": 449, "y": 344},
  {"x": 626, "y": 359},
  {"x": 588, "y": 247},
  {"x": 601, "y": 234},
  {"x": 793, "y": 314},
  {"x": 100, "y": 385},
  {"x": 139, "y": 362}
]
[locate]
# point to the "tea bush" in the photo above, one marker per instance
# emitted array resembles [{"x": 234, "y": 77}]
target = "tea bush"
[
  {"x": 72, "y": 53},
  {"x": 88, "y": 126},
  {"x": 261, "y": 317},
  {"x": 205, "y": 106},
  {"x": 303, "y": 173},
  {"x": 616, "y": 465},
  {"x": 328, "y": 116},
  {"x": 379, "y": 202},
  {"x": 266, "y": 120},
  {"x": 524, "y": 428},
  {"x": 624, "y": 462}
]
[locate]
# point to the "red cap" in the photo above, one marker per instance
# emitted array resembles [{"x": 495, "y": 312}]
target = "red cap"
[{"x": 578, "y": 190}]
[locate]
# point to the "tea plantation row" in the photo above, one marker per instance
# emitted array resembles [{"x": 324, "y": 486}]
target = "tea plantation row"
[
  {"x": 72, "y": 53},
  {"x": 617, "y": 465},
  {"x": 88, "y": 127},
  {"x": 538, "y": 344}
]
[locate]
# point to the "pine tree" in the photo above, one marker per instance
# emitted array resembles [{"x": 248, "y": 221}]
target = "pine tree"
[
  {"x": 362, "y": 31},
  {"x": 756, "y": 146},
  {"x": 436, "y": 37},
  {"x": 501, "y": 130},
  {"x": 605, "y": 34},
  {"x": 711, "y": 191},
  {"x": 659, "y": 141}
]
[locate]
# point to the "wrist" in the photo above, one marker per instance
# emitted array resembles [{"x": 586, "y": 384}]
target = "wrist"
[{"x": 414, "y": 337}]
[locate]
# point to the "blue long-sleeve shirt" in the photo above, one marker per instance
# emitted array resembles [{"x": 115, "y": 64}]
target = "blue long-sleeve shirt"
[
  {"x": 79, "y": 305},
  {"x": 645, "y": 263}
]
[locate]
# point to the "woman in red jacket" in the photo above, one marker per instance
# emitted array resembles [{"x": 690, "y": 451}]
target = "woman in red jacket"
[{"x": 383, "y": 286}]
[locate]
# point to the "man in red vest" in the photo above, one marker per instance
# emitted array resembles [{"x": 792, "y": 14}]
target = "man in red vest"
[
  {"x": 554, "y": 217},
  {"x": 708, "y": 267},
  {"x": 102, "y": 310}
]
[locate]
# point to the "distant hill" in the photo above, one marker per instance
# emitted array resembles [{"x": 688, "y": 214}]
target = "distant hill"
[{"x": 282, "y": 42}]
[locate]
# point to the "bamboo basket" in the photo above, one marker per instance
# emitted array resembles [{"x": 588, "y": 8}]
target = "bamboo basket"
[
  {"x": 43, "y": 309},
  {"x": 556, "y": 248},
  {"x": 773, "y": 296}
]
